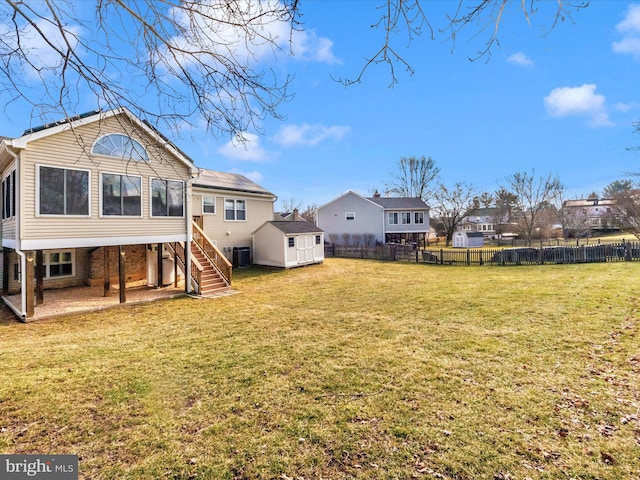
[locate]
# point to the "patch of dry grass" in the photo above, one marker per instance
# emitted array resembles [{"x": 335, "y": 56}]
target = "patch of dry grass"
[{"x": 351, "y": 369}]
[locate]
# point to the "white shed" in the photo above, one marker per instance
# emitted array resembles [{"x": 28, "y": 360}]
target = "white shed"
[
  {"x": 286, "y": 243},
  {"x": 463, "y": 239}
]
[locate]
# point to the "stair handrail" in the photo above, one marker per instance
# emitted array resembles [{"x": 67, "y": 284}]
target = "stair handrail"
[
  {"x": 196, "y": 268},
  {"x": 213, "y": 254}
]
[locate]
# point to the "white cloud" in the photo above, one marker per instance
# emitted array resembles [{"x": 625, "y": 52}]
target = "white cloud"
[
  {"x": 311, "y": 135},
  {"x": 578, "y": 101},
  {"x": 264, "y": 34},
  {"x": 306, "y": 45},
  {"x": 631, "y": 22},
  {"x": 626, "y": 107},
  {"x": 41, "y": 55},
  {"x": 254, "y": 176},
  {"x": 520, "y": 59},
  {"x": 629, "y": 27},
  {"x": 247, "y": 148}
]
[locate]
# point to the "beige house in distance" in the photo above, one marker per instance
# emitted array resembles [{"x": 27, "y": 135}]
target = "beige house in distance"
[{"x": 100, "y": 198}]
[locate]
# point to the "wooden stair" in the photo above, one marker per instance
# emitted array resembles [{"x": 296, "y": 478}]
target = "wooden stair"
[{"x": 212, "y": 282}]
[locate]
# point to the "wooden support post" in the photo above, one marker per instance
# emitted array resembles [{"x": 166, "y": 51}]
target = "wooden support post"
[
  {"x": 39, "y": 277},
  {"x": 122, "y": 264},
  {"x": 5, "y": 271},
  {"x": 159, "y": 282},
  {"x": 106, "y": 269},
  {"x": 29, "y": 286},
  {"x": 175, "y": 265}
]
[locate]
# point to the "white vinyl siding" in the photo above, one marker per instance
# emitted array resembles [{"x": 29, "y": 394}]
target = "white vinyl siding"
[{"x": 60, "y": 150}]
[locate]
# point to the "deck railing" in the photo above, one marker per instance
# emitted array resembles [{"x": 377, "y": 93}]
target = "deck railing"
[{"x": 215, "y": 256}]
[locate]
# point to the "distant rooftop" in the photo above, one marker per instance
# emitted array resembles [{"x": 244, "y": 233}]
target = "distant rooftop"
[
  {"x": 228, "y": 181},
  {"x": 399, "y": 202}
]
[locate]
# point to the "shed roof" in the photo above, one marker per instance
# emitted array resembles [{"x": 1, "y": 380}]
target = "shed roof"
[
  {"x": 292, "y": 227},
  {"x": 228, "y": 181}
]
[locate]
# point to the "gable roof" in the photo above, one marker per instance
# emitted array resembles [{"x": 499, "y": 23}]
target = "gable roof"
[
  {"x": 299, "y": 226},
  {"x": 400, "y": 202},
  {"x": 228, "y": 181},
  {"x": 87, "y": 118},
  {"x": 482, "y": 212},
  {"x": 349, "y": 193}
]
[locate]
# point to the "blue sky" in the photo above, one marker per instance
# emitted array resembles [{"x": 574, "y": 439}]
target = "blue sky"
[{"x": 559, "y": 100}]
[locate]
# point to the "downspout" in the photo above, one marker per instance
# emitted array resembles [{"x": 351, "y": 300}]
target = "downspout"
[
  {"x": 23, "y": 257},
  {"x": 189, "y": 227}
]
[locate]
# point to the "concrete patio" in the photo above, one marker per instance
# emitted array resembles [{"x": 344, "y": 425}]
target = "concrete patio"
[{"x": 65, "y": 301}]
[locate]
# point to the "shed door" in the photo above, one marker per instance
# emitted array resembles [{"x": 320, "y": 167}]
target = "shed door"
[{"x": 305, "y": 249}]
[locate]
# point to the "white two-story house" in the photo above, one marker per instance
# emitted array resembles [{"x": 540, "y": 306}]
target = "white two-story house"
[{"x": 352, "y": 219}]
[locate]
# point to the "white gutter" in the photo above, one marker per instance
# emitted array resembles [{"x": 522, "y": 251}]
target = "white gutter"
[{"x": 23, "y": 258}]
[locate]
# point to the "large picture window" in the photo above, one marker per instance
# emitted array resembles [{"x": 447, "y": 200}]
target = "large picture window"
[
  {"x": 120, "y": 146},
  {"x": 63, "y": 191},
  {"x": 121, "y": 195},
  {"x": 167, "y": 198},
  {"x": 235, "y": 210}
]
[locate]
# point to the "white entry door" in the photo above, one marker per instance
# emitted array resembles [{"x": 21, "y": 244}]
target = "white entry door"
[{"x": 305, "y": 249}]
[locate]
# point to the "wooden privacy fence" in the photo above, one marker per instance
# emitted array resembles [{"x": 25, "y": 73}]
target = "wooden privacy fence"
[{"x": 618, "y": 252}]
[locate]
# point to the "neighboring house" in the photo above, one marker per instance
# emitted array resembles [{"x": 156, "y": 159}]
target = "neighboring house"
[
  {"x": 480, "y": 220},
  {"x": 352, "y": 219},
  {"x": 85, "y": 201},
  {"x": 462, "y": 239},
  {"x": 288, "y": 243},
  {"x": 229, "y": 207},
  {"x": 590, "y": 214}
]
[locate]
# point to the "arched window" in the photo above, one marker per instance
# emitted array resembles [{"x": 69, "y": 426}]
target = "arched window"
[{"x": 120, "y": 146}]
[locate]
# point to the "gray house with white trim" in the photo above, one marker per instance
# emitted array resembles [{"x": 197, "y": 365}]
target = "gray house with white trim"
[{"x": 352, "y": 219}]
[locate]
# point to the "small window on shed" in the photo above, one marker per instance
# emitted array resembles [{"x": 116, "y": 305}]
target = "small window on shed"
[
  {"x": 317, "y": 239},
  {"x": 292, "y": 242},
  {"x": 350, "y": 215}
]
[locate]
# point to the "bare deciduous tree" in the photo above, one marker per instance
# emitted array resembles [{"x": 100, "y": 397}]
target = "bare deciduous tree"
[
  {"x": 289, "y": 204},
  {"x": 627, "y": 209},
  {"x": 532, "y": 196},
  {"x": 176, "y": 62},
  {"x": 451, "y": 205},
  {"x": 404, "y": 21},
  {"x": 413, "y": 178}
]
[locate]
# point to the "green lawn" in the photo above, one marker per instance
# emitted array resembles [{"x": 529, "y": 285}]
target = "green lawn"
[{"x": 351, "y": 369}]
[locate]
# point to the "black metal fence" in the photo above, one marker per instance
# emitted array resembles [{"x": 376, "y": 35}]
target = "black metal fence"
[{"x": 617, "y": 252}]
